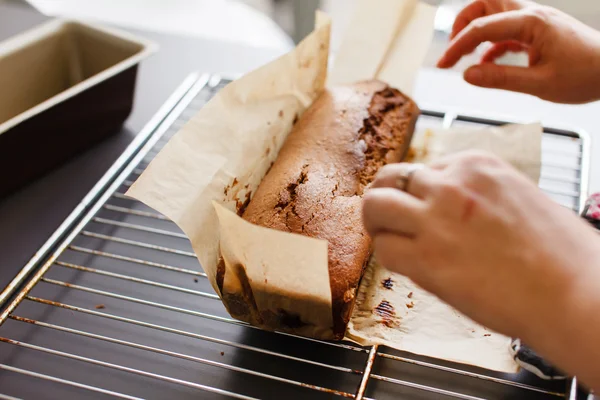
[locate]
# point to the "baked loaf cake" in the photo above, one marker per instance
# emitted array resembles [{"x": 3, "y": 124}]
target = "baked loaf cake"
[{"x": 315, "y": 186}]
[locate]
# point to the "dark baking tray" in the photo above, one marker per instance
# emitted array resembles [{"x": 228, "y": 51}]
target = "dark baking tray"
[{"x": 64, "y": 86}]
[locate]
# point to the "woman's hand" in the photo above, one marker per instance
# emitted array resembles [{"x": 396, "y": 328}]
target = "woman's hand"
[
  {"x": 564, "y": 54},
  {"x": 486, "y": 240}
]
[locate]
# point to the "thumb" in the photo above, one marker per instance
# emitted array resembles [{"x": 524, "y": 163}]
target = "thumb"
[{"x": 516, "y": 79}]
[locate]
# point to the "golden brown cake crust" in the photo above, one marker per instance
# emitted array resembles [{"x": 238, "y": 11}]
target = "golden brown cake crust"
[{"x": 316, "y": 184}]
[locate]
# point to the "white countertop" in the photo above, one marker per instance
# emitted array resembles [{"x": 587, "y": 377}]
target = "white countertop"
[{"x": 220, "y": 20}]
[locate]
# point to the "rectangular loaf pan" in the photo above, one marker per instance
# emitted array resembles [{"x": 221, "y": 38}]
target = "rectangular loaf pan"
[{"x": 64, "y": 86}]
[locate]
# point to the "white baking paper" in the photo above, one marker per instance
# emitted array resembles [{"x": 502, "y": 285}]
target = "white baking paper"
[
  {"x": 387, "y": 40},
  {"x": 222, "y": 154},
  {"x": 418, "y": 322},
  {"x": 518, "y": 144}
]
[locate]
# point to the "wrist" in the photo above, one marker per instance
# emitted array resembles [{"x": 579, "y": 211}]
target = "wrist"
[
  {"x": 547, "y": 306},
  {"x": 565, "y": 329}
]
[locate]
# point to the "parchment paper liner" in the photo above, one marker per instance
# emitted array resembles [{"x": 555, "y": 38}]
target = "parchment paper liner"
[{"x": 210, "y": 169}]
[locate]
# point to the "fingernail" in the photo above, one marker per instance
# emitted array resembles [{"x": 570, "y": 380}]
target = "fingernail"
[{"x": 474, "y": 75}]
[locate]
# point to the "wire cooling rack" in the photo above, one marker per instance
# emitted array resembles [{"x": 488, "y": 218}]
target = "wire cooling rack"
[{"x": 115, "y": 305}]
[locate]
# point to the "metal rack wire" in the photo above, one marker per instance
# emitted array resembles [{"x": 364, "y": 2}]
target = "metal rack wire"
[{"x": 114, "y": 305}]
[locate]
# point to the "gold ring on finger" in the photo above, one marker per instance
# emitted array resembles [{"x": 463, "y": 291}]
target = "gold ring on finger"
[{"x": 406, "y": 174}]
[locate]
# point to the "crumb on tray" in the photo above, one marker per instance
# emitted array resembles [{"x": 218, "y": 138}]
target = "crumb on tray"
[
  {"x": 387, "y": 313},
  {"x": 388, "y": 283}
]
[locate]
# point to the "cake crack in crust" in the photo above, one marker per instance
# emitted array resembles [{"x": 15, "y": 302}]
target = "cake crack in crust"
[
  {"x": 316, "y": 184},
  {"x": 287, "y": 197},
  {"x": 380, "y": 132}
]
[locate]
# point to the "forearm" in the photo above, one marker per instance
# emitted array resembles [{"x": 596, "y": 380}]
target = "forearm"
[{"x": 567, "y": 331}]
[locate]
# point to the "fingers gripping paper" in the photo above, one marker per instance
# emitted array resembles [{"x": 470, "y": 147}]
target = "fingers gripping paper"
[{"x": 393, "y": 311}]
